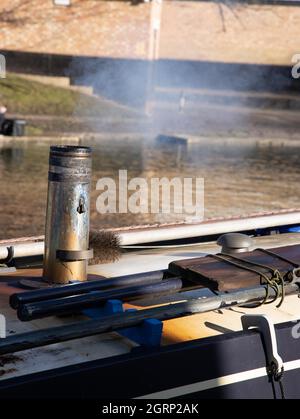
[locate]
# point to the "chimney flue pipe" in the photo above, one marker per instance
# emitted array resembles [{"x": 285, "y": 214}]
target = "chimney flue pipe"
[{"x": 67, "y": 218}]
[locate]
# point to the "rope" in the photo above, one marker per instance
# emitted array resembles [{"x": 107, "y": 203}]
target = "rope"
[
  {"x": 277, "y": 377},
  {"x": 281, "y": 390},
  {"x": 273, "y": 282}
]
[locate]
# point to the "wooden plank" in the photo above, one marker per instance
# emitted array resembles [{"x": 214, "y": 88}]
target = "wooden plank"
[{"x": 222, "y": 276}]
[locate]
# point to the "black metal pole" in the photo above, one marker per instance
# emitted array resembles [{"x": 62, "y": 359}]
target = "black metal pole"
[
  {"x": 112, "y": 323},
  {"x": 85, "y": 287},
  {"x": 73, "y": 304}
]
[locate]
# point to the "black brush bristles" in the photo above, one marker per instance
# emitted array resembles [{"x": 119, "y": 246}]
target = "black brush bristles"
[{"x": 106, "y": 245}]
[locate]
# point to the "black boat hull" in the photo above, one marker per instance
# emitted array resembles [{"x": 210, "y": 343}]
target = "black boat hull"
[{"x": 225, "y": 366}]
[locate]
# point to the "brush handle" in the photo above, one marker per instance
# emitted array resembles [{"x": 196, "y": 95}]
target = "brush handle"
[
  {"x": 82, "y": 288},
  {"x": 77, "y": 303},
  {"x": 81, "y": 329}
]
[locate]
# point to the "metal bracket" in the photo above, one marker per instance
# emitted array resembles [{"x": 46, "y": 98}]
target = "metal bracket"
[
  {"x": 147, "y": 335},
  {"x": 294, "y": 275},
  {"x": 10, "y": 255},
  {"x": 74, "y": 255},
  {"x": 4, "y": 264},
  {"x": 265, "y": 325}
]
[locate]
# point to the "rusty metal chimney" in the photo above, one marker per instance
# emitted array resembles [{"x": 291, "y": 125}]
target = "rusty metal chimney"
[{"x": 67, "y": 218}]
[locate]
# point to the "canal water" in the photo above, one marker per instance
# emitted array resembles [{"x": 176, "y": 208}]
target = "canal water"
[{"x": 240, "y": 177}]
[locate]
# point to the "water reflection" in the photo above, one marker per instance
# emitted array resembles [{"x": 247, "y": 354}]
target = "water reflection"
[
  {"x": 11, "y": 157},
  {"x": 239, "y": 178}
]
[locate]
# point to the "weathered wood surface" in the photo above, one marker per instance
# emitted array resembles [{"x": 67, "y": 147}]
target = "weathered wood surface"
[{"x": 222, "y": 276}]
